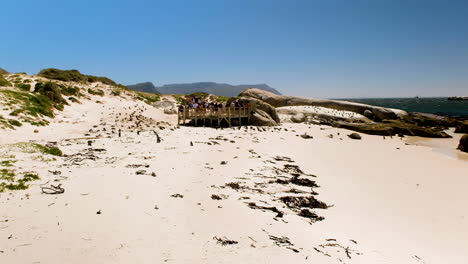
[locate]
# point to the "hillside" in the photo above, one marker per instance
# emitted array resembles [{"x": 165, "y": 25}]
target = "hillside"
[
  {"x": 146, "y": 87},
  {"x": 221, "y": 89}
]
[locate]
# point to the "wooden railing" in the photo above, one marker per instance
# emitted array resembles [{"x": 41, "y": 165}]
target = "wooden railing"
[{"x": 223, "y": 113}]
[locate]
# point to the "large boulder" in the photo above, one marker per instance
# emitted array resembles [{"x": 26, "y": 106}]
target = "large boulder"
[
  {"x": 164, "y": 104},
  {"x": 267, "y": 108},
  {"x": 463, "y": 146},
  {"x": 379, "y": 113},
  {"x": 262, "y": 118},
  {"x": 299, "y": 118},
  {"x": 170, "y": 111}
]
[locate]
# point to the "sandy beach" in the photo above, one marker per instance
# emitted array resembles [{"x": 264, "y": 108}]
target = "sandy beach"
[{"x": 205, "y": 195}]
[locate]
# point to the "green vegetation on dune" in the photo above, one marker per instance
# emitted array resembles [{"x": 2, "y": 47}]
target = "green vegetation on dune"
[
  {"x": 14, "y": 122},
  {"x": 3, "y": 81},
  {"x": 8, "y": 180},
  {"x": 74, "y": 76},
  {"x": 53, "y": 92},
  {"x": 96, "y": 91},
  {"x": 35, "y": 105},
  {"x": 66, "y": 76},
  {"x": 24, "y": 86},
  {"x": 148, "y": 98},
  {"x": 29, "y": 147}
]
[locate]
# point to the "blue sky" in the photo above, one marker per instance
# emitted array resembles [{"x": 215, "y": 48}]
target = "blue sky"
[{"x": 322, "y": 48}]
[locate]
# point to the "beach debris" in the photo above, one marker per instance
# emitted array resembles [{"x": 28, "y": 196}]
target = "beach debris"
[
  {"x": 53, "y": 189},
  {"x": 224, "y": 241},
  {"x": 218, "y": 196},
  {"x": 281, "y": 241},
  {"x": 140, "y": 172},
  {"x": 177, "y": 195},
  {"x": 354, "y": 136},
  {"x": 272, "y": 208},
  {"x": 134, "y": 166},
  {"x": 303, "y": 182},
  {"x": 306, "y": 213},
  {"x": 305, "y": 136},
  {"x": 298, "y": 202},
  {"x": 234, "y": 185},
  {"x": 223, "y": 162},
  {"x": 99, "y": 212},
  {"x": 281, "y": 158}
]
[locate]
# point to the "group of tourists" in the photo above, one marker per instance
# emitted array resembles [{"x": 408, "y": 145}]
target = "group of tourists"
[{"x": 199, "y": 104}]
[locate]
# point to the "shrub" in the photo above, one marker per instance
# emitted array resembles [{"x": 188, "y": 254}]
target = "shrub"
[
  {"x": 115, "y": 93},
  {"x": 30, "y": 104},
  {"x": 74, "y": 76},
  {"x": 68, "y": 90},
  {"x": 61, "y": 75},
  {"x": 14, "y": 122},
  {"x": 24, "y": 86},
  {"x": 104, "y": 80},
  {"x": 96, "y": 92},
  {"x": 53, "y": 92},
  {"x": 3, "y": 81}
]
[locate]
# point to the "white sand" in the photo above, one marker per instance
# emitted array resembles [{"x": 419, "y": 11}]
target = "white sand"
[{"x": 405, "y": 205}]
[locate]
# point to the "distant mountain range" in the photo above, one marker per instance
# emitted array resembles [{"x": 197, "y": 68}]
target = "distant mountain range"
[{"x": 221, "y": 89}]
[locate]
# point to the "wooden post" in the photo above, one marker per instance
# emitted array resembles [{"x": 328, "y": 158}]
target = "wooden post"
[{"x": 229, "y": 116}]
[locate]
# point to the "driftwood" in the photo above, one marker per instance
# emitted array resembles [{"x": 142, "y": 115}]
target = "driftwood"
[{"x": 53, "y": 189}]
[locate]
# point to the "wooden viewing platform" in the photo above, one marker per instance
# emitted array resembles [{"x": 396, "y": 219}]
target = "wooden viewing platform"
[{"x": 205, "y": 115}]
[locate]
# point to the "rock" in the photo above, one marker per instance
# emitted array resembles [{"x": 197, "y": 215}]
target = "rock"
[
  {"x": 170, "y": 111},
  {"x": 354, "y": 136},
  {"x": 298, "y": 118},
  {"x": 259, "y": 104},
  {"x": 274, "y": 100},
  {"x": 368, "y": 114},
  {"x": 391, "y": 128},
  {"x": 261, "y": 118},
  {"x": 431, "y": 120},
  {"x": 305, "y": 136},
  {"x": 164, "y": 104},
  {"x": 463, "y": 146},
  {"x": 462, "y": 128}
]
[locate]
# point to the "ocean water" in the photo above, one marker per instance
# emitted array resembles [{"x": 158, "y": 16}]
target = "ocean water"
[{"x": 432, "y": 105}]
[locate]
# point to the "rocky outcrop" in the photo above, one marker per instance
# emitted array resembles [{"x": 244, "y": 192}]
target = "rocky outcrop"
[
  {"x": 462, "y": 128},
  {"x": 463, "y": 146},
  {"x": 378, "y": 113},
  {"x": 264, "y": 115},
  {"x": 431, "y": 120},
  {"x": 262, "y": 118},
  {"x": 391, "y": 128},
  {"x": 267, "y": 108},
  {"x": 305, "y": 115}
]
